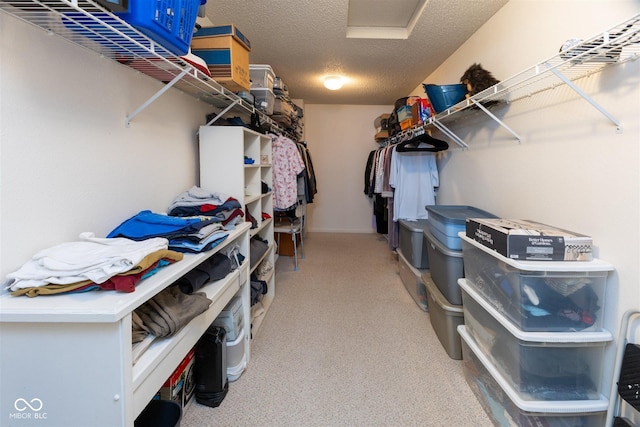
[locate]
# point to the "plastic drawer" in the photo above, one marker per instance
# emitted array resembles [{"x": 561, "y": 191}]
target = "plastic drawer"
[
  {"x": 537, "y": 365},
  {"x": 505, "y": 407},
  {"x": 539, "y": 296}
]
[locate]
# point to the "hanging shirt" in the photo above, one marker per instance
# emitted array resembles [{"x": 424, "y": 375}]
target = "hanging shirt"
[
  {"x": 414, "y": 175},
  {"x": 287, "y": 164}
]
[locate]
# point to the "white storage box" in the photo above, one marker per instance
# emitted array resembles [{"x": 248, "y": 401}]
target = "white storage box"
[
  {"x": 537, "y": 365},
  {"x": 446, "y": 267},
  {"x": 262, "y": 76},
  {"x": 235, "y": 350},
  {"x": 412, "y": 279},
  {"x": 412, "y": 242},
  {"x": 264, "y": 100},
  {"x": 445, "y": 222},
  {"x": 505, "y": 407},
  {"x": 234, "y": 372},
  {"x": 236, "y": 358},
  {"x": 445, "y": 318},
  {"x": 231, "y": 318},
  {"x": 539, "y": 296}
]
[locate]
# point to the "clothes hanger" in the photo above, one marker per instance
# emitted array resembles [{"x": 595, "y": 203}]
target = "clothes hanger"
[{"x": 422, "y": 142}]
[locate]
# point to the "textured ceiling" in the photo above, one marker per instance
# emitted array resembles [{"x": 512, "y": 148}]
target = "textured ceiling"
[{"x": 303, "y": 40}]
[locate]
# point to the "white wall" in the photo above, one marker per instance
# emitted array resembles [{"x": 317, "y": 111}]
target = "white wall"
[
  {"x": 68, "y": 163},
  {"x": 572, "y": 169},
  {"x": 340, "y": 138}
]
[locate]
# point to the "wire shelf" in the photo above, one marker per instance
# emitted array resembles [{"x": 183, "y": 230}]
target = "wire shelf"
[
  {"x": 584, "y": 58},
  {"x": 91, "y": 26}
]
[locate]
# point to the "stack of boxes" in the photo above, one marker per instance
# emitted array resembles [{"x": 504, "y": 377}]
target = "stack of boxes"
[
  {"x": 444, "y": 250},
  {"x": 272, "y": 98},
  {"x": 533, "y": 340},
  {"x": 226, "y": 51},
  {"x": 413, "y": 260},
  {"x": 262, "y": 78}
]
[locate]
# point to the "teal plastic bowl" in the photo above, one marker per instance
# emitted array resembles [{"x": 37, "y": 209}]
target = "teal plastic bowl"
[{"x": 442, "y": 97}]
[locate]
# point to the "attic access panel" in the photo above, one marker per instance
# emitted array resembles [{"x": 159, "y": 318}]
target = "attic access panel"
[{"x": 379, "y": 19}]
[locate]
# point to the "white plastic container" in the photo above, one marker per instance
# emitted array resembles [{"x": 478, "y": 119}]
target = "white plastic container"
[
  {"x": 505, "y": 406},
  {"x": 264, "y": 99},
  {"x": 235, "y": 350},
  {"x": 236, "y": 357},
  {"x": 539, "y": 296},
  {"x": 262, "y": 76},
  {"x": 231, "y": 318},
  {"x": 537, "y": 365}
]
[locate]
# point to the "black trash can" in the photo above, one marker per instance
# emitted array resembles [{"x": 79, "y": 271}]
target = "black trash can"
[{"x": 160, "y": 413}]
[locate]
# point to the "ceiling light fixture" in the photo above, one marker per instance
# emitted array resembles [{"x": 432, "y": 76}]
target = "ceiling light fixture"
[{"x": 333, "y": 82}]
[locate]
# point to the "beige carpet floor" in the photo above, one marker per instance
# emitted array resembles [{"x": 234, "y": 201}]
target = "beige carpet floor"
[{"x": 344, "y": 344}]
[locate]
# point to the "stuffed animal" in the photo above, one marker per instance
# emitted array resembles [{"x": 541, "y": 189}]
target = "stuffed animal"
[{"x": 477, "y": 79}]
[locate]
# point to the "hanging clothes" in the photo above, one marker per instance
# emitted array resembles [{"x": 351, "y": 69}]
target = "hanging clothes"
[
  {"x": 287, "y": 164},
  {"x": 307, "y": 184},
  {"x": 414, "y": 176}
]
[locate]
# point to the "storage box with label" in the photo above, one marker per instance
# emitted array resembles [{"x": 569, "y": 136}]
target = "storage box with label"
[
  {"x": 226, "y": 51},
  {"x": 539, "y": 296},
  {"x": 529, "y": 240}
]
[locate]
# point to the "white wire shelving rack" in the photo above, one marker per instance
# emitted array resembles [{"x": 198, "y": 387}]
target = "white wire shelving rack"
[
  {"x": 91, "y": 26},
  {"x": 617, "y": 45}
]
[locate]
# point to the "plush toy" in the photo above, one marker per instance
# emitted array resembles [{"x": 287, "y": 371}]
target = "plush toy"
[{"x": 477, "y": 79}]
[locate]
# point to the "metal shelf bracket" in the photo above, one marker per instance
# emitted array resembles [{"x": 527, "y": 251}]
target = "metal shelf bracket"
[
  {"x": 156, "y": 96},
  {"x": 586, "y": 97},
  {"x": 450, "y": 134},
  {"x": 497, "y": 120}
]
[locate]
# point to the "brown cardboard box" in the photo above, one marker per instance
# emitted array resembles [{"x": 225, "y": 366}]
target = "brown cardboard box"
[
  {"x": 226, "y": 52},
  {"x": 286, "y": 244}
]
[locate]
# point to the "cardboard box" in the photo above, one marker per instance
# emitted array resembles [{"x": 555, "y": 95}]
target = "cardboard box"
[
  {"x": 529, "y": 240},
  {"x": 226, "y": 52},
  {"x": 180, "y": 386},
  {"x": 286, "y": 244}
]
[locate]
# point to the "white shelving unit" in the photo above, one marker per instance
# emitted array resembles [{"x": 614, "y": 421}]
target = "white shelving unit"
[
  {"x": 615, "y": 46},
  {"x": 73, "y": 353},
  {"x": 222, "y": 168}
]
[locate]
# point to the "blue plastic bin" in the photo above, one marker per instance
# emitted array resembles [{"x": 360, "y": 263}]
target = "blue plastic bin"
[
  {"x": 446, "y": 221},
  {"x": 444, "y": 96},
  {"x": 168, "y": 22}
]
